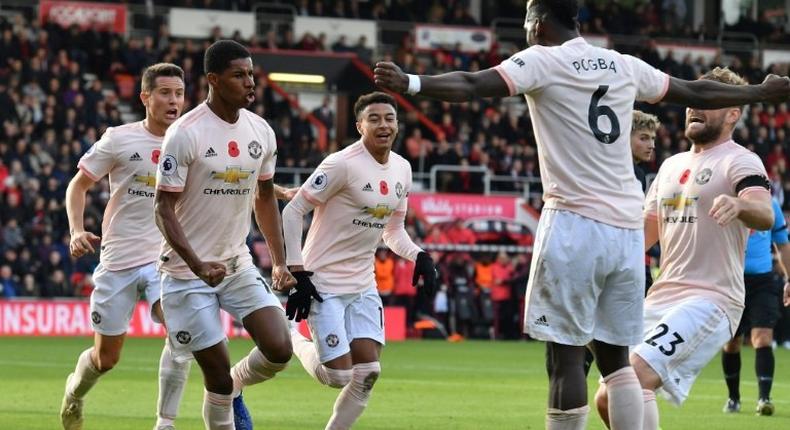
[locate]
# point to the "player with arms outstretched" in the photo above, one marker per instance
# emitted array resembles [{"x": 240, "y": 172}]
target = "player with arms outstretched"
[
  {"x": 129, "y": 155},
  {"x": 216, "y": 166},
  {"x": 359, "y": 196},
  {"x": 587, "y": 274},
  {"x": 699, "y": 208}
]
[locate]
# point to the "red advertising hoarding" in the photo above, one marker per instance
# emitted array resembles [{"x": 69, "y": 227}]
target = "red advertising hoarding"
[
  {"x": 442, "y": 207},
  {"x": 72, "y": 318},
  {"x": 100, "y": 16}
]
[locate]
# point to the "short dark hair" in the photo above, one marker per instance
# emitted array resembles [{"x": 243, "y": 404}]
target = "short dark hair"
[
  {"x": 148, "y": 81},
  {"x": 221, "y": 53},
  {"x": 563, "y": 12},
  {"x": 373, "y": 98}
]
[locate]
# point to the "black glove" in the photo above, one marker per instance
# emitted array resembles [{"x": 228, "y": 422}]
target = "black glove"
[
  {"x": 424, "y": 267},
  {"x": 301, "y": 296}
]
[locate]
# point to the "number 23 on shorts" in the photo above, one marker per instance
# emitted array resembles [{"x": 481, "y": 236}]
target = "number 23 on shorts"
[{"x": 655, "y": 340}]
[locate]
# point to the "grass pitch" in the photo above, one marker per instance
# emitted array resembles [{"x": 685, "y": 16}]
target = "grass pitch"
[{"x": 424, "y": 385}]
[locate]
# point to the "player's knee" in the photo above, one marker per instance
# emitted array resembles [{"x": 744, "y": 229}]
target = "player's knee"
[
  {"x": 733, "y": 345},
  {"x": 107, "y": 359},
  {"x": 338, "y": 378},
  {"x": 762, "y": 337},
  {"x": 365, "y": 375},
  {"x": 219, "y": 383},
  {"x": 281, "y": 354}
]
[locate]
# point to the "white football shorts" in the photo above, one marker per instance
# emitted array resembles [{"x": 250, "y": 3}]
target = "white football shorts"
[
  {"x": 680, "y": 340},
  {"x": 115, "y": 296},
  {"x": 342, "y": 318},
  {"x": 587, "y": 281},
  {"x": 191, "y": 307}
]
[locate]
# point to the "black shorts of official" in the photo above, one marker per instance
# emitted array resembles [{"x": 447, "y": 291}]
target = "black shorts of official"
[{"x": 763, "y": 302}]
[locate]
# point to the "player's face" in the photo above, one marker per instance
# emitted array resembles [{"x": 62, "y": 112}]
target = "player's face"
[
  {"x": 706, "y": 126},
  {"x": 236, "y": 85},
  {"x": 165, "y": 101},
  {"x": 643, "y": 143},
  {"x": 378, "y": 125}
]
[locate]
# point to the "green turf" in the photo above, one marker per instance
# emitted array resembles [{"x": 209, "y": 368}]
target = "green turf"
[{"x": 424, "y": 385}]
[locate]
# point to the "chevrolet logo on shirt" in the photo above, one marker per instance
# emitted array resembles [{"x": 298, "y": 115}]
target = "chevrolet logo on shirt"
[
  {"x": 379, "y": 212},
  {"x": 678, "y": 202},
  {"x": 149, "y": 180},
  {"x": 232, "y": 175}
]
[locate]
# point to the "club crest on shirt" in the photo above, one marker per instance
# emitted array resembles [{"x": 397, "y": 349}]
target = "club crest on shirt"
[
  {"x": 319, "y": 181},
  {"x": 95, "y": 317},
  {"x": 703, "y": 176},
  {"x": 399, "y": 190},
  {"x": 254, "y": 148},
  {"x": 169, "y": 165},
  {"x": 332, "y": 340}
]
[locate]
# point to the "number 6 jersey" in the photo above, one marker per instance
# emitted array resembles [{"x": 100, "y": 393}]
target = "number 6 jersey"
[{"x": 581, "y": 100}]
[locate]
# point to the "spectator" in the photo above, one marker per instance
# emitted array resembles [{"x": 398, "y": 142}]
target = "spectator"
[
  {"x": 8, "y": 286},
  {"x": 384, "y": 266}
]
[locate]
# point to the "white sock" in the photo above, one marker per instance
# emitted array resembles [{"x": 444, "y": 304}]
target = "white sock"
[
  {"x": 626, "y": 406},
  {"x": 218, "y": 411},
  {"x": 572, "y": 419},
  {"x": 173, "y": 377},
  {"x": 305, "y": 351},
  {"x": 84, "y": 377},
  {"x": 651, "y": 410},
  {"x": 354, "y": 397},
  {"x": 253, "y": 369}
]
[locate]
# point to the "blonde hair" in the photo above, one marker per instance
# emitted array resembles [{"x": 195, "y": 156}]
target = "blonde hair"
[
  {"x": 644, "y": 121},
  {"x": 724, "y": 75}
]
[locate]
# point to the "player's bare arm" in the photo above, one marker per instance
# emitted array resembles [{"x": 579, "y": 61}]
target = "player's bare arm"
[
  {"x": 651, "y": 232},
  {"x": 753, "y": 209},
  {"x": 283, "y": 193},
  {"x": 708, "y": 94},
  {"x": 82, "y": 242},
  {"x": 267, "y": 215},
  {"x": 783, "y": 251},
  {"x": 212, "y": 273},
  {"x": 451, "y": 87}
]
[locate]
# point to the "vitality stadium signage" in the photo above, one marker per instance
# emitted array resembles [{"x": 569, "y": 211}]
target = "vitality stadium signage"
[
  {"x": 73, "y": 318},
  {"x": 100, "y": 16}
]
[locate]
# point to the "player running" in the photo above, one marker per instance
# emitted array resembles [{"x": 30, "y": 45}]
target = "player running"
[
  {"x": 700, "y": 208},
  {"x": 129, "y": 155},
  {"x": 587, "y": 273},
  {"x": 360, "y": 196},
  {"x": 216, "y": 166},
  {"x": 761, "y": 312}
]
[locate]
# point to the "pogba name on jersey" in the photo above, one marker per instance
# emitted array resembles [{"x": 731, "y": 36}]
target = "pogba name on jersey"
[{"x": 592, "y": 64}]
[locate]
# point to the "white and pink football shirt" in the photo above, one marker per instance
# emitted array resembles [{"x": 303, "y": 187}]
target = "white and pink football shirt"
[
  {"x": 580, "y": 100},
  {"x": 129, "y": 155},
  {"x": 357, "y": 201},
  {"x": 216, "y": 167},
  {"x": 699, "y": 258}
]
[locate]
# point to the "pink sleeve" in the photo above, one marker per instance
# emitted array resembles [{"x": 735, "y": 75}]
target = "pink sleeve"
[
  {"x": 525, "y": 71},
  {"x": 100, "y": 158},
  {"x": 293, "y": 225},
  {"x": 270, "y": 156},
  {"x": 651, "y": 200},
  {"x": 396, "y": 238}
]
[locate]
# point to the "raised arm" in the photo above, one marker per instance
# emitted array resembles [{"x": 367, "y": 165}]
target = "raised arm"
[
  {"x": 267, "y": 215},
  {"x": 451, "y": 87},
  {"x": 708, "y": 94},
  {"x": 211, "y": 273},
  {"x": 284, "y": 194},
  {"x": 81, "y": 242}
]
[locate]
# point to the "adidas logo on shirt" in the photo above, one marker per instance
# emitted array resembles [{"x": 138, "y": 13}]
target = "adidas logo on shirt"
[
  {"x": 135, "y": 157},
  {"x": 367, "y": 188},
  {"x": 210, "y": 152},
  {"x": 542, "y": 321}
]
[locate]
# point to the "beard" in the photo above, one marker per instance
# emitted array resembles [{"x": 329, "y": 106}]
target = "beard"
[{"x": 709, "y": 133}]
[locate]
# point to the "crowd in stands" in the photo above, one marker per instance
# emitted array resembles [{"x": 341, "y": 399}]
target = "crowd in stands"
[{"x": 61, "y": 88}]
